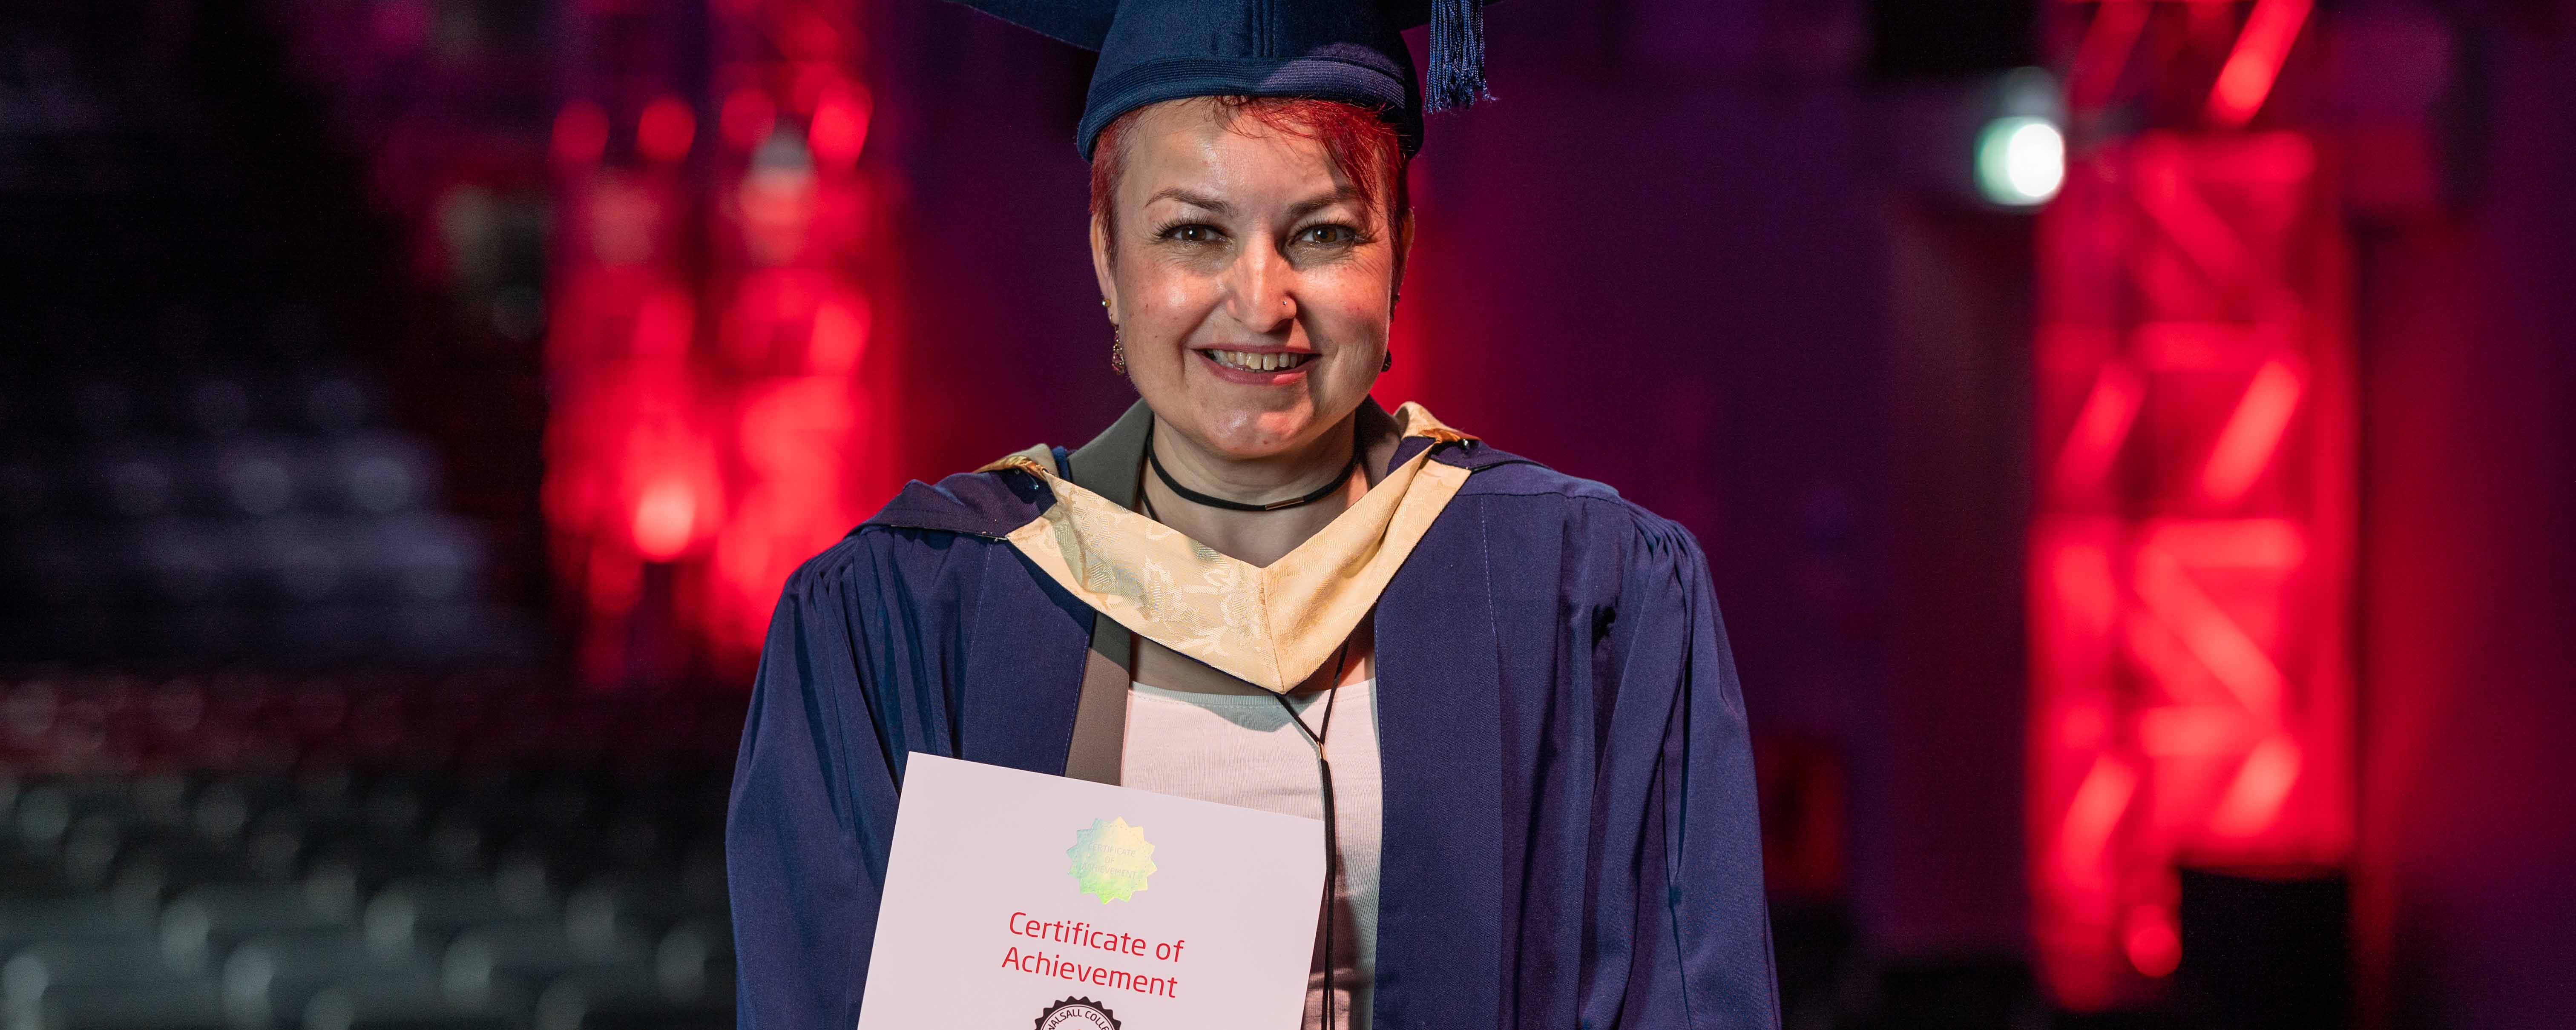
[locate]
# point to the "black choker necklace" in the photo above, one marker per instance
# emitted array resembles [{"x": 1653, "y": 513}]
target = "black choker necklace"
[{"x": 1195, "y": 497}]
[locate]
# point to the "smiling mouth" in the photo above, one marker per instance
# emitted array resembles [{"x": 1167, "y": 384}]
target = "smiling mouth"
[{"x": 1276, "y": 361}]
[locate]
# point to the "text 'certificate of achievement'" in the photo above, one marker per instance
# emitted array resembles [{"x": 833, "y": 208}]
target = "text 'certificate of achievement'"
[{"x": 1017, "y": 900}]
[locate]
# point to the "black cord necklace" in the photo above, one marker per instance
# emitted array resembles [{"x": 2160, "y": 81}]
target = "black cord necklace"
[
  {"x": 1332, "y": 852},
  {"x": 1195, "y": 497}
]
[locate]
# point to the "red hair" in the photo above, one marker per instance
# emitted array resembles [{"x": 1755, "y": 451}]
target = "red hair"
[{"x": 1362, "y": 147}]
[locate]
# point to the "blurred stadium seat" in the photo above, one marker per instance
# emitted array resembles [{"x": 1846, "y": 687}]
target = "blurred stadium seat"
[
  {"x": 388, "y": 850},
  {"x": 231, "y": 504}
]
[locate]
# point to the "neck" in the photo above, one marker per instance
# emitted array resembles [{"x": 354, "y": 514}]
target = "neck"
[
  {"x": 1256, "y": 481},
  {"x": 1259, "y": 538}
]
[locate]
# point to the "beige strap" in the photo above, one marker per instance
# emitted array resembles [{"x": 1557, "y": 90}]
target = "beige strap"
[{"x": 1108, "y": 466}]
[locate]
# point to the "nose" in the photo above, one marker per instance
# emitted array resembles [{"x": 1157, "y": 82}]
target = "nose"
[{"x": 1261, "y": 290}]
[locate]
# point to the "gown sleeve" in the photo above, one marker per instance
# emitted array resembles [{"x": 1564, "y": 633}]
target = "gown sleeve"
[
  {"x": 812, "y": 810},
  {"x": 1702, "y": 933}
]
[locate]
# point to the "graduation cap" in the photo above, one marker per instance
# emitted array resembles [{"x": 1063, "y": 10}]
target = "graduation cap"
[{"x": 1345, "y": 50}]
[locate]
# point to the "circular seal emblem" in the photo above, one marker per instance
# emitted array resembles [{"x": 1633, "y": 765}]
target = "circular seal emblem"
[{"x": 1077, "y": 1014}]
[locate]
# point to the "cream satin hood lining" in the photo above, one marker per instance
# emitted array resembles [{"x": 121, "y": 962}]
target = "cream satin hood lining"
[{"x": 1271, "y": 627}]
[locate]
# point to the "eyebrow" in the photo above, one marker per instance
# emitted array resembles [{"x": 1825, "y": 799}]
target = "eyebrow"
[
  {"x": 1296, "y": 211},
  {"x": 1311, "y": 205},
  {"x": 1200, "y": 200}
]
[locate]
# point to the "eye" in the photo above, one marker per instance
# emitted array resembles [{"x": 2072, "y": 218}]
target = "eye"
[
  {"x": 1188, "y": 232},
  {"x": 1330, "y": 234}
]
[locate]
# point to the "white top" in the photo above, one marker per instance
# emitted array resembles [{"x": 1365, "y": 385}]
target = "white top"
[{"x": 1240, "y": 750}]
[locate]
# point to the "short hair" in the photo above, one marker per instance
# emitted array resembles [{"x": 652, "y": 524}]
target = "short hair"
[{"x": 1361, "y": 145}]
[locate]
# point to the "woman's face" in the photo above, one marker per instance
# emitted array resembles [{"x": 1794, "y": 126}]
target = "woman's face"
[{"x": 1252, "y": 288}]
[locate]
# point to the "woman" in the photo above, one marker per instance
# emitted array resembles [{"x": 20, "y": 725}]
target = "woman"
[{"x": 1512, "y": 682}]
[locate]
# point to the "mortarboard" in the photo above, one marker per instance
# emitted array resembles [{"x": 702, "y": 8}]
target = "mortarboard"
[{"x": 1346, "y": 50}]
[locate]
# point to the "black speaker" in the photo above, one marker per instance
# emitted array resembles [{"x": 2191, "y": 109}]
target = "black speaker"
[{"x": 2265, "y": 949}]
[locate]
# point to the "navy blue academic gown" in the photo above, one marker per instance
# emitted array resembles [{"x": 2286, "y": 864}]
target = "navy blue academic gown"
[{"x": 1570, "y": 833}]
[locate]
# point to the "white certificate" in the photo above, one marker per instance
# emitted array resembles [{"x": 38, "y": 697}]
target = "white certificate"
[{"x": 1014, "y": 899}]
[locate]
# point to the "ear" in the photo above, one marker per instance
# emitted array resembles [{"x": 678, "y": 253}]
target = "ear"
[{"x": 1100, "y": 268}]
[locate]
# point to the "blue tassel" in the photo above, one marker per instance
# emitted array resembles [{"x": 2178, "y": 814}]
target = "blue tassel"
[{"x": 1457, "y": 76}]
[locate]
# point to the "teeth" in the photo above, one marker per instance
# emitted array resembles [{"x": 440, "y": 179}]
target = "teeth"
[{"x": 1271, "y": 362}]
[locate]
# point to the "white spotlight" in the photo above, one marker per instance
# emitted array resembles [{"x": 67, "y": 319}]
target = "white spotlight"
[{"x": 2021, "y": 161}]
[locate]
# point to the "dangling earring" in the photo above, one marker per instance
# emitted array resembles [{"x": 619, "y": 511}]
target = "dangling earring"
[
  {"x": 1387, "y": 364},
  {"x": 1117, "y": 344}
]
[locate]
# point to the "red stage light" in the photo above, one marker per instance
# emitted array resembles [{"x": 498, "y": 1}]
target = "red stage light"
[
  {"x": 839, "y": 126},
  {"x": 665, "y": 519},
  {"x": 2092, "y": 818},
  {"x": 664, "y": 130},
  {"x": 2153, "y": 943},
  {"x": 720, "y": 408},
  {"x": 2189, "y": 554},
  {"x": 2255, "y": 63},
  {"x": 2253, "y": 434},
  {"x": 2253, "y": 799}
]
